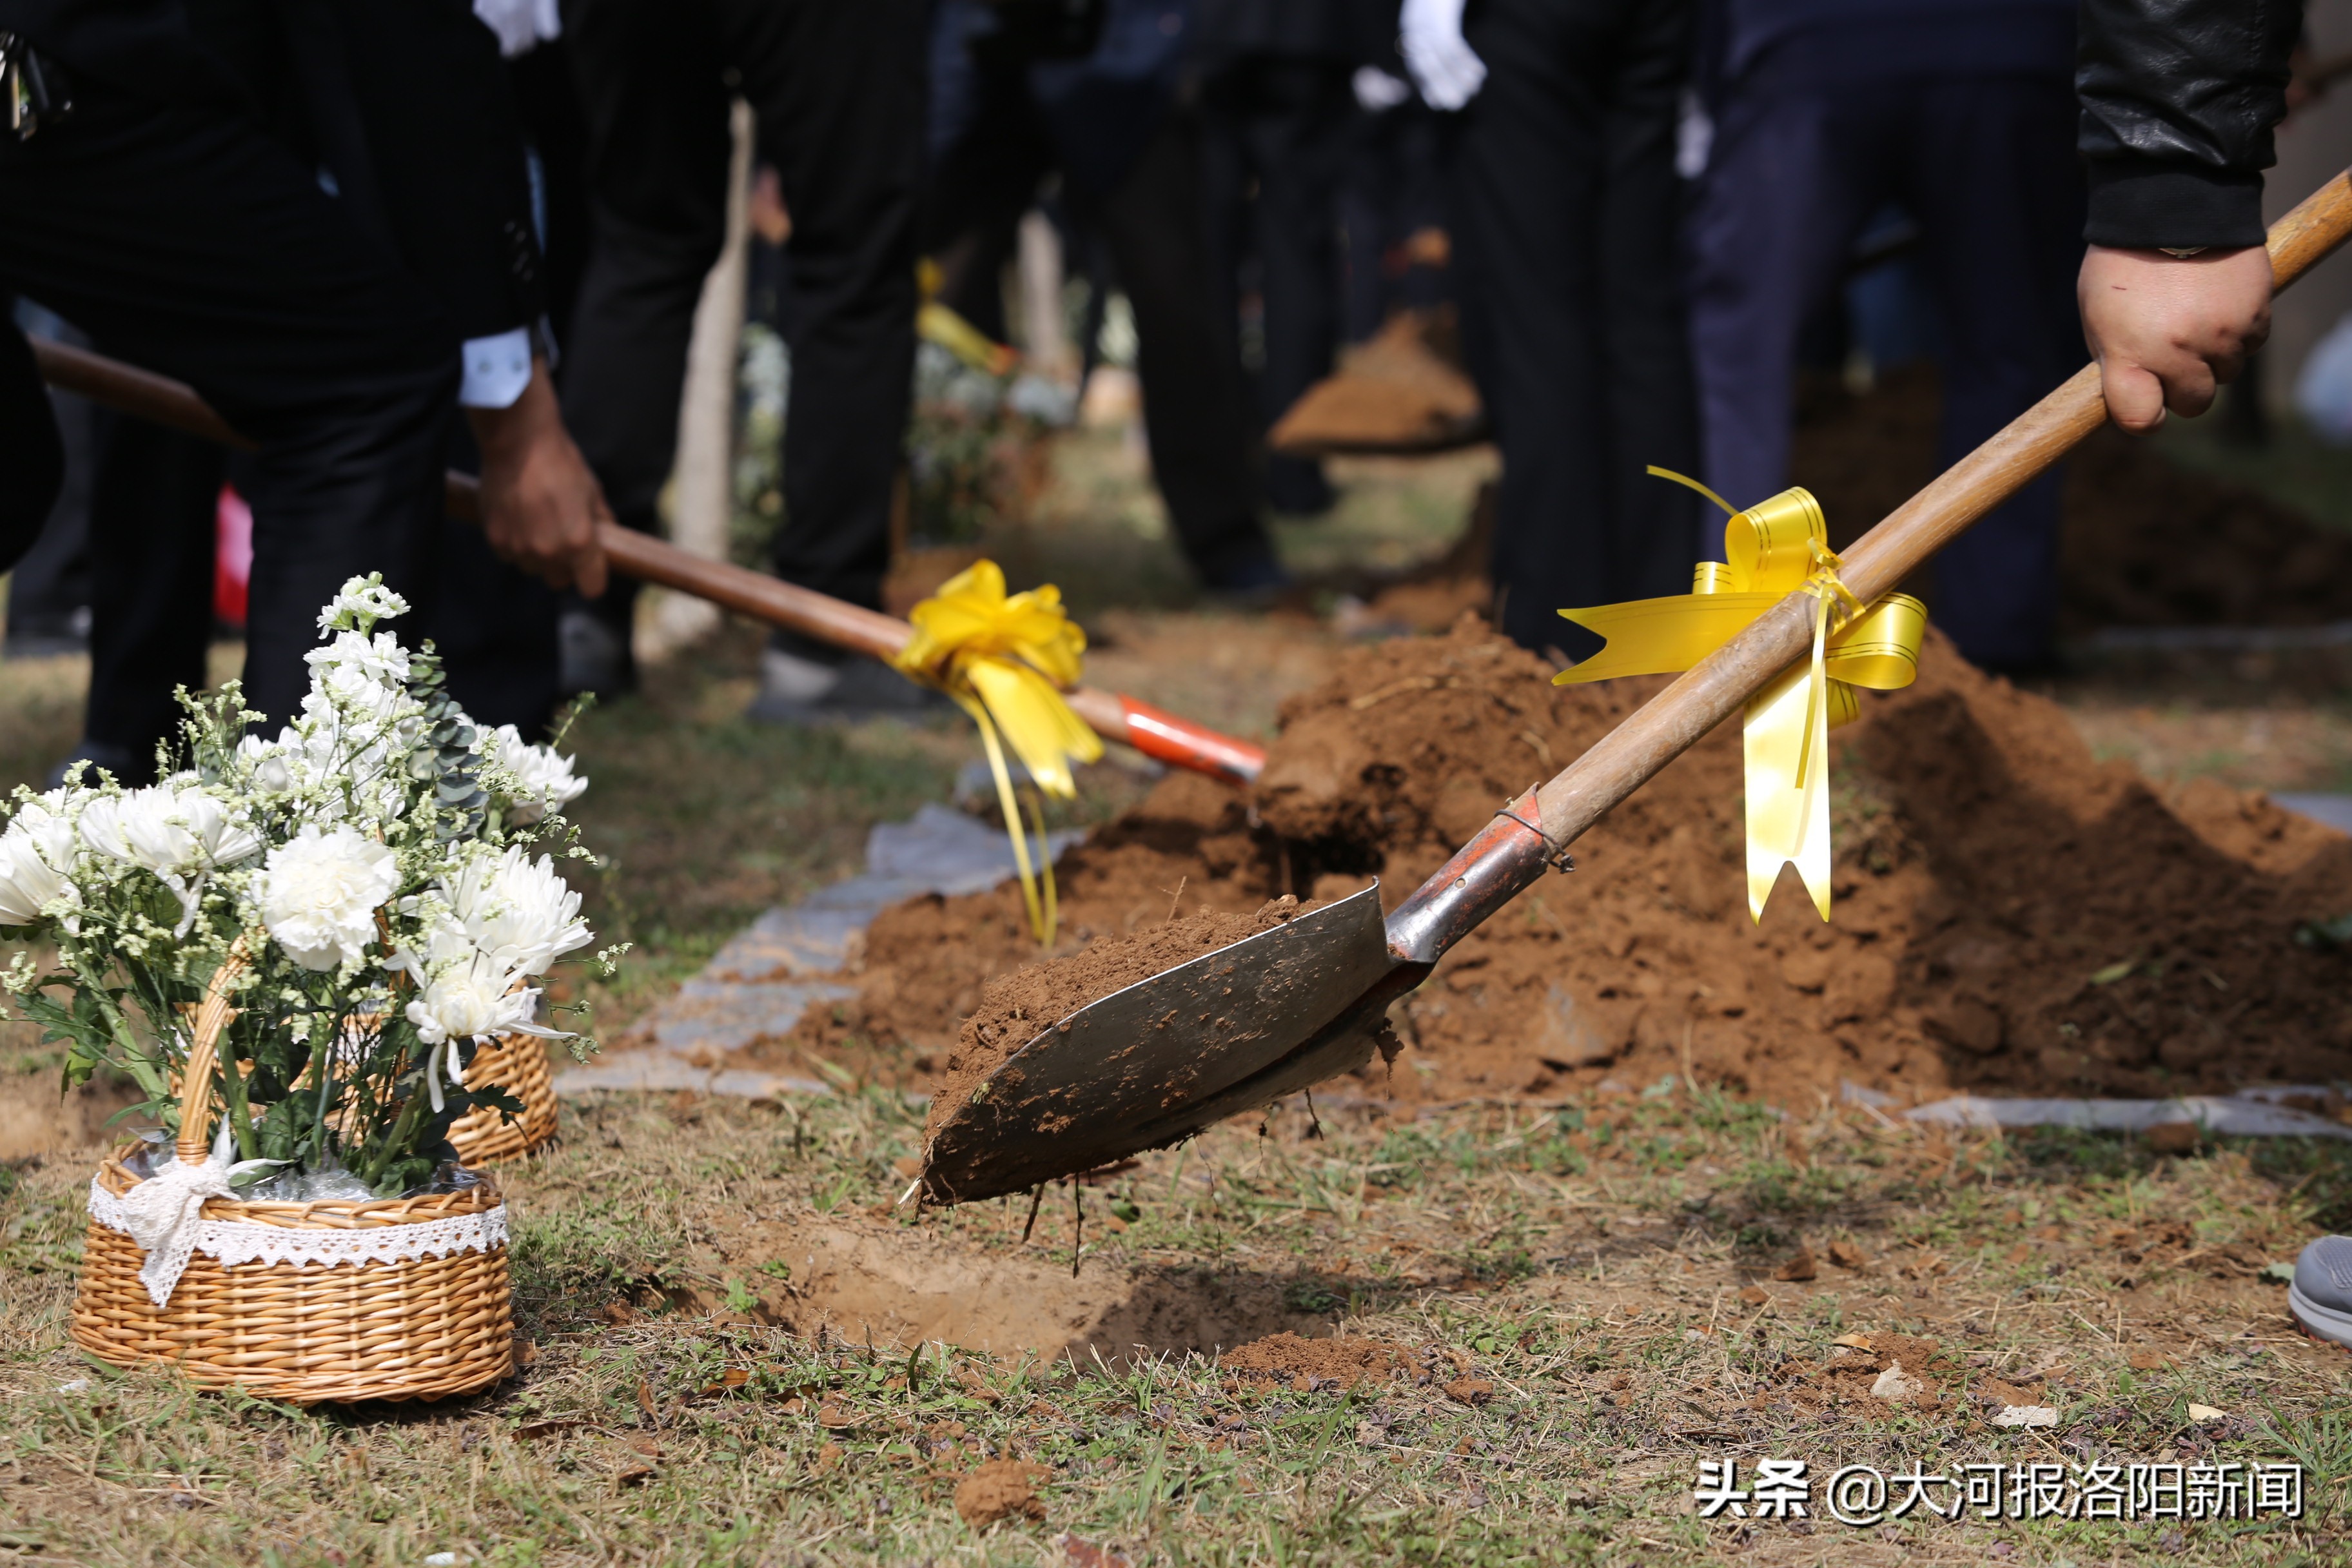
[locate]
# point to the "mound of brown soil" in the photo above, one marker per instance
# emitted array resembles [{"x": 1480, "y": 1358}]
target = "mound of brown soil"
[
  {"x": 1404, "y": 390},
  {"x": 1342, "y": 1363},
  {"x": 2011, "y": 913}
]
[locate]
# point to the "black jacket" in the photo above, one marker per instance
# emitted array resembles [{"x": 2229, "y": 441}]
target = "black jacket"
[
  {"x": 2178, "y": 100},
  {"x": 404, "y": 103}
]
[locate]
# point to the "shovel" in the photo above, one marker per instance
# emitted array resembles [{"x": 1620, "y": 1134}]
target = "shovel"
[
  {"x": 1157, "y": 733},
  {"x": 1235, "y": 1029}
]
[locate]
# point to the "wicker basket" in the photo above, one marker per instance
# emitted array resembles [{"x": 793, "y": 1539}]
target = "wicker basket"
[
  {"x": 517, "y": 1064},
  {"x": 421, "y": 1328}
]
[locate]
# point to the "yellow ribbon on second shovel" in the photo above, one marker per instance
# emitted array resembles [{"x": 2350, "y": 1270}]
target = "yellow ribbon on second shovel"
[
  {"x": 1004, "y": 659},
  {"x": 1775, "y": 548}
]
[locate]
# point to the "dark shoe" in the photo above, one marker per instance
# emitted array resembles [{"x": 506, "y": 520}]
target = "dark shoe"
[
  {"x": 46, "y": 636},
  {"x": 595, "y": 656},
  {"x": 1295, "y": 487},
  {"x": 127, "y": 766},
  {"x": 2321, "y": 1295},
  {"x": 795, "y": 689},
  {"x": 1247, "y": 578}
]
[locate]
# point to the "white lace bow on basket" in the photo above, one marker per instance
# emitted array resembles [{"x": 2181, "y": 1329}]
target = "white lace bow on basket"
[{"x": 164, "y": 1215}]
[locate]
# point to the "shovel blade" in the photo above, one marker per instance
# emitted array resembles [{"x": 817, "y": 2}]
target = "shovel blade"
[{"x": 1167, "y": 1057}]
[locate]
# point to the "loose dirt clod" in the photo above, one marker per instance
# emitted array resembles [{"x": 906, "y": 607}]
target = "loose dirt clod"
[
  {"x": 1000, "y": 1490},
  {"x": 1341, "y": 1363},
  {"x": 2011, "y": 913}
]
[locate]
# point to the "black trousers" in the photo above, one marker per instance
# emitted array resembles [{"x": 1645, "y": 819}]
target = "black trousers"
[
  {"x": 1801, "y": 163},
  {"x": 1285, "y": 123},
  {"x": 839, "y": 92},
  {"x": 1185, "y": 358},
  {"x": 188, "y": 242},
  {"x": 1565, "y": 209}
]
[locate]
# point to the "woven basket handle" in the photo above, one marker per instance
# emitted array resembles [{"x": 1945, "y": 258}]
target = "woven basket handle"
[{"x": 204, "y": 1055}]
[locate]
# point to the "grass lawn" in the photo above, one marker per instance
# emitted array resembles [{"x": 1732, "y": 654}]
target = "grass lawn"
[
  {"x": 1585, "y": 1298},
  {"x": 738, "y": 1352}
]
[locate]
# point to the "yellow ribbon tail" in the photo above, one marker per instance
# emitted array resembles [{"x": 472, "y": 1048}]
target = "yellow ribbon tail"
[
  {"x": 1003, "y": 658},
  {"x": 1039, "y": 726},
  {"x": 1661, "y": 637},
  {"x": 936, "y": 323},
  {"x": 1040, "y": 924},
  {"x": 1787, "y": 755}
]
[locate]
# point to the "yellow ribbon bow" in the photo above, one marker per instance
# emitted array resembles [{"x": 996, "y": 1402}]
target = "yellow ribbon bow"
[
  {"x": 1004, "y": 660},
  {"x": 1775, "y": 548}
]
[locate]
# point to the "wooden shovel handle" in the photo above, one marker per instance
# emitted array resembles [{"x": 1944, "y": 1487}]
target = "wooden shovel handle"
[
  {"x": 1158, "y": 734},
  {"x": 1715, "y": 689}
]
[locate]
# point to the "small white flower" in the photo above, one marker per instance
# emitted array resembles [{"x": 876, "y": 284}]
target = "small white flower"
[
  {"x": 362, "y": 673},
  {"x": 271, "y": 762},
  {"x": 544, "y": 780},
  {"x": 36, "y": 851},
  {"x": 360, "y": 597},
  {"x": 318, "y": 894},
  {"x": 516, "y": 910}
]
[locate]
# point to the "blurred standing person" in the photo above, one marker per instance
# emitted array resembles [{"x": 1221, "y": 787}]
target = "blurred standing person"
[
  {"x": 403, "y": 120},
  {"x": 1279, "y": 116},
  {"x": 308, "y": 225},
  {"x": 1963, "y": 111},
  {"x": 838, "y": 90},
  {"x": 1565, "y": 212},
  {"x": 1017, "y": 103}
]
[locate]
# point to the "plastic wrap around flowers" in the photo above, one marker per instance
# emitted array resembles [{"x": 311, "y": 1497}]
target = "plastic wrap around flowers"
[{"x": 381, "y": 878}]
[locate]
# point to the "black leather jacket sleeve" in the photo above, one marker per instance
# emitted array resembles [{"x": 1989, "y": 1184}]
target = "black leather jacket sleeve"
[{"x": 2178, "y": 99}]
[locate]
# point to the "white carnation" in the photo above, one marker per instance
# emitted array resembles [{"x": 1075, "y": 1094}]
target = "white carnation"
[
  {"x": 517, "y": 910},
  {"x": 544, "y": 780},
  {"x": 318, "y": 894}
]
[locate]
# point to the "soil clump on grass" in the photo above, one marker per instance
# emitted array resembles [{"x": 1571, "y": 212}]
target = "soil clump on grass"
[
  {"x": 2011, "y": 913},
  {"x": 1343, "y": 1362}
]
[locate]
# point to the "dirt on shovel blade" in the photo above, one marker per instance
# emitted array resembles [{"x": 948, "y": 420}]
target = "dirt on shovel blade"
[{"x": 1015, "y": 1008}]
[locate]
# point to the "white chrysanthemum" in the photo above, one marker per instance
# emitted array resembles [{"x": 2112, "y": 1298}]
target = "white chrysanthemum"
[
  {"x": 172, "y": 832},
  {"x": 35, "y": 852},
  {"x": 545, "y": 781},
  {"x": 517, "y": 909},
  {"x": 361, "y": 597},
  {"x": 318, "y": 894},
  {"x": 474, "y": 997}
]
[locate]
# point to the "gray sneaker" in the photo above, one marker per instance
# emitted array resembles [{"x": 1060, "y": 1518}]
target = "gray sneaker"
[
  {"x": 798, "y": 690},
  {"x": 2321, "y": 1295}
]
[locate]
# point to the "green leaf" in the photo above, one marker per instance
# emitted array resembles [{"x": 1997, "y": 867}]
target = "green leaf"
[
  {"x": 2278, "y": 1273},
  {"x": 2113, "y": 972}
]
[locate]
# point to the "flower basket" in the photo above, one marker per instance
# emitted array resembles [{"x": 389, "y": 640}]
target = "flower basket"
[
  {"x": 516, "y": 1064},
  {"x": 386, "y": 1298}
]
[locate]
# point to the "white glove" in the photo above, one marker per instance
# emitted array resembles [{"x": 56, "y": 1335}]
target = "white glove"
[
  {"x": 1448, "y": 74},
  {"x": 1377, "y": 91}
]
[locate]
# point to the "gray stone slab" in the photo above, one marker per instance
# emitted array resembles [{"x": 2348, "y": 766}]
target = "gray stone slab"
[
  {"x": 2243, "y": 1116},
  {"x": 770, "y": 974},
  {"x": 2333, "y": 810}
]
